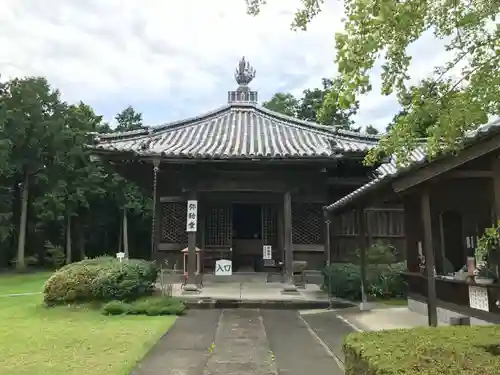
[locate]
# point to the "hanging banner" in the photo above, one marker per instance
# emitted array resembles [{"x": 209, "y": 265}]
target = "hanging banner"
[{"x": 192, "y": 216}]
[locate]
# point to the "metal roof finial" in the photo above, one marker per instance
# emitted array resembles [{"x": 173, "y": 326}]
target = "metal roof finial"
[{"x": 245, "y": 73}]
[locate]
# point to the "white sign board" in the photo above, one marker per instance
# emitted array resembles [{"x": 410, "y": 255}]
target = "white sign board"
[
  {"x": 120, "y": 256},
  {"x": 267, "y": 252},
  {"x": 223, "y": 267},
  {"x": 192, "y": 216},
  {"x": 478, "y": 298}
]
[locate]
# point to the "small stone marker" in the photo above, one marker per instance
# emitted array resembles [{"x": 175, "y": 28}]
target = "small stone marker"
[{"x": 223, "y": 267}]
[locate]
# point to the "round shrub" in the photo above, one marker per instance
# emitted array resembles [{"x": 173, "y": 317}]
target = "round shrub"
[
  {"x": 116, "y": 308},
  {"x": 101, "y": 279},
  {"x": 384, "y": 280}
]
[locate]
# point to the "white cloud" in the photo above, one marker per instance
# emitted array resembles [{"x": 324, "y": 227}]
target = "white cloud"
[{"x": 169, "y": 57}]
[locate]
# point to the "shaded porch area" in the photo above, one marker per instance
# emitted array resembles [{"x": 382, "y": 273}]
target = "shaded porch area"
[{"x": 448, "y": 203}]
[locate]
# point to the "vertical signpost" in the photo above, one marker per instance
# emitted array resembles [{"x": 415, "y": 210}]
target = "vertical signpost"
[
  {"x": 191, "y": 227},
  {"x": 267, "y": 252},
  {"x": 192, "y": 216}
]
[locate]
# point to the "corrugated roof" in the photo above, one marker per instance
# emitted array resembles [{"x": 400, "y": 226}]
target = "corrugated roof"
[
  {"x": 389, "y": 171},
  {"x": 238, "y": 131}
]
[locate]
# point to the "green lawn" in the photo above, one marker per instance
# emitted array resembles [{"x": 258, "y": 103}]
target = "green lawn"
[
  {"x": 72, "y": 341},
  {"x": 22, "y": 283},
  {"x": 394, "y": 302}
]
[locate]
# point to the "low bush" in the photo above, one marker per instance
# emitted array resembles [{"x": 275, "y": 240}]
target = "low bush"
[
  {"x": 100, "y": 279},
  {"x": 152, "y": 306},
  {"x": 384, "y": 280},
  {"x": 424, "y": 351}
]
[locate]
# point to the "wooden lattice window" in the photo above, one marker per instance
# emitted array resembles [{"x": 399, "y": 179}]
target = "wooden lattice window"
[
  {"x": 307, "y": 223},
  {"x": 218, "y": 226},
  {"x": 269, "y": 225},
  {"x": 173, "y": 222}
]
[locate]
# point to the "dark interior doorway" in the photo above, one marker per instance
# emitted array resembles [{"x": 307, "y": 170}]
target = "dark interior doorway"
[
  {"x": 247, "y": 236},
  {"x": 453, "y": 239},
  {"x": 247, "y": 222}
]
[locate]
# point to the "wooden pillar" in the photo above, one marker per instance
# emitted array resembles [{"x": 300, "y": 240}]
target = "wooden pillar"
[
  {"x": 288, "y": 245},
  {"x": 363, "y": 245},
  {"x": 496, "y": 187},
  {"x": 328, "y": 249},
  {"x": 425, "y": 205},
  {"x": 125, "y": 233},
  {"x": 191, "y": 238},
  {"x": 154, "y": 225}
]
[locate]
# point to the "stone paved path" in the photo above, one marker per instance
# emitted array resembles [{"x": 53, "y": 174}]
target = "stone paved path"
[{"x": 242, "y": 342}]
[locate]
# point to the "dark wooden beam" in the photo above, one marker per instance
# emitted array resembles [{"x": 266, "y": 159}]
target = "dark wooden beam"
[
  {"x": 328, "y": 250},
  {"x": 446, "y": 163},
  {"x": 288, "y": 245},
  {"x": 425, "y": 207},
  {"x": 347, "y": 181},
  {"x": 363, "y": 245},
  {"x": 468, "y": 174},
  {"x": 495, "y": 169}
]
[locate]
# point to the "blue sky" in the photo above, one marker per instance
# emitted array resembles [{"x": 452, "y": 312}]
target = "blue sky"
[{"x": 172, "y": 59}]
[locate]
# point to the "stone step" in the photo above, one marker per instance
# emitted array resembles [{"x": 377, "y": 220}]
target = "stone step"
[{"x": 237, "y": 277}]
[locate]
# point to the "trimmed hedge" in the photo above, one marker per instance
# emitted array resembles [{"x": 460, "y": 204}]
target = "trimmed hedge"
[
  {"x": 384, "y": 280},
  {"x": 100, "y": 279},
  {"x": 152, "y": 306},
  {"x": 448, "y": 350}
]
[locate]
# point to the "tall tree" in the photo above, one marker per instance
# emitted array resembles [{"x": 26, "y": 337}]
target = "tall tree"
[
  {"x": 33, "y": 119},
  {"x": 308, "y": 106},
  {"x": 284, "y": 103},
  {"x": 128, "y": 119},
  {"x": 376, "y": 28}
]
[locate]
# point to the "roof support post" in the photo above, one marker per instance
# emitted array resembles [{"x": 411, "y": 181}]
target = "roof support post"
[
  {"x": 328, "y": 248},
  {"x": 363, "y": 246},
  {"x": 429, "y": 256},
  {"x": 190, "y": 286},
  {"x": 156, "y": 209},
  {"x": 289, "y": 286}
]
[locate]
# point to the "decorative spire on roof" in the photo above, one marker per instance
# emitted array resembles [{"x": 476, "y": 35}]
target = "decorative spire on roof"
[{"x": 243, "y": 75}]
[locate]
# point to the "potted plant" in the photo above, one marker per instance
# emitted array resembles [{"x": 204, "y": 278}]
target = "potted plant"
[
  {"x": 487, "y": 244},
  {"x": 484, "y": 275}
]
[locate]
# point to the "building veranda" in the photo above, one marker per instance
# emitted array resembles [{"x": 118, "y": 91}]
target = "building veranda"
[{"x": 449, "y": 202}]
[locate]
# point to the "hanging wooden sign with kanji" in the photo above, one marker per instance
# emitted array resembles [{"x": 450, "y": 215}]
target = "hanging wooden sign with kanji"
[{"x": 192, "y": 216}]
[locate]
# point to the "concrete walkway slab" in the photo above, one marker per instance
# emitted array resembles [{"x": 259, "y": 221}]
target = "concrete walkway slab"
[
  {"x": 239, "y": 342},
  {"x": 330, "y": 329},
  {"x": 297, "y": 352},
  {"x": 241, "y": 346},
  {"x": 183, "y": 350}
]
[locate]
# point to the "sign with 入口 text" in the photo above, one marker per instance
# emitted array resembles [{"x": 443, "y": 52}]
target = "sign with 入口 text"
[
  {"x": 223, "y": 267},
  {"x": 192, "y": 216}
]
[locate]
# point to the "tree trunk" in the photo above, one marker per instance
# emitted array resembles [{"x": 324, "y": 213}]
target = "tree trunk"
[
  {"x": 125, "y": 233},
  {"x": 120, "y": 238},
  {"x": 68, "y": 239},
  {"x": 80, "y": 238},
  {"x": 21, "y": 243}
]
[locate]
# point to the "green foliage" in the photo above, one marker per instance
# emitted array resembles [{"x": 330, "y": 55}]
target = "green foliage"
[
  {"x": 55, "y": 255},
  {"x": 151, "y": 306},
  {"x": 308, "y": 106},
  {"x": 465, "y": 87},
  {"x": 457, "y": 350},
  {"x": 101, "y": 279},
  {"x": 489, "y": 241},
  {"x": 42, "y": 151},
  {"x": 384, "y": 280}
]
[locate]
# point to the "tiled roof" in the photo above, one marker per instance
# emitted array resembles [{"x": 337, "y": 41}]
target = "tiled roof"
[
  {"x": 389, "y": 171},
  {"x": 238, "y": 131}
]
